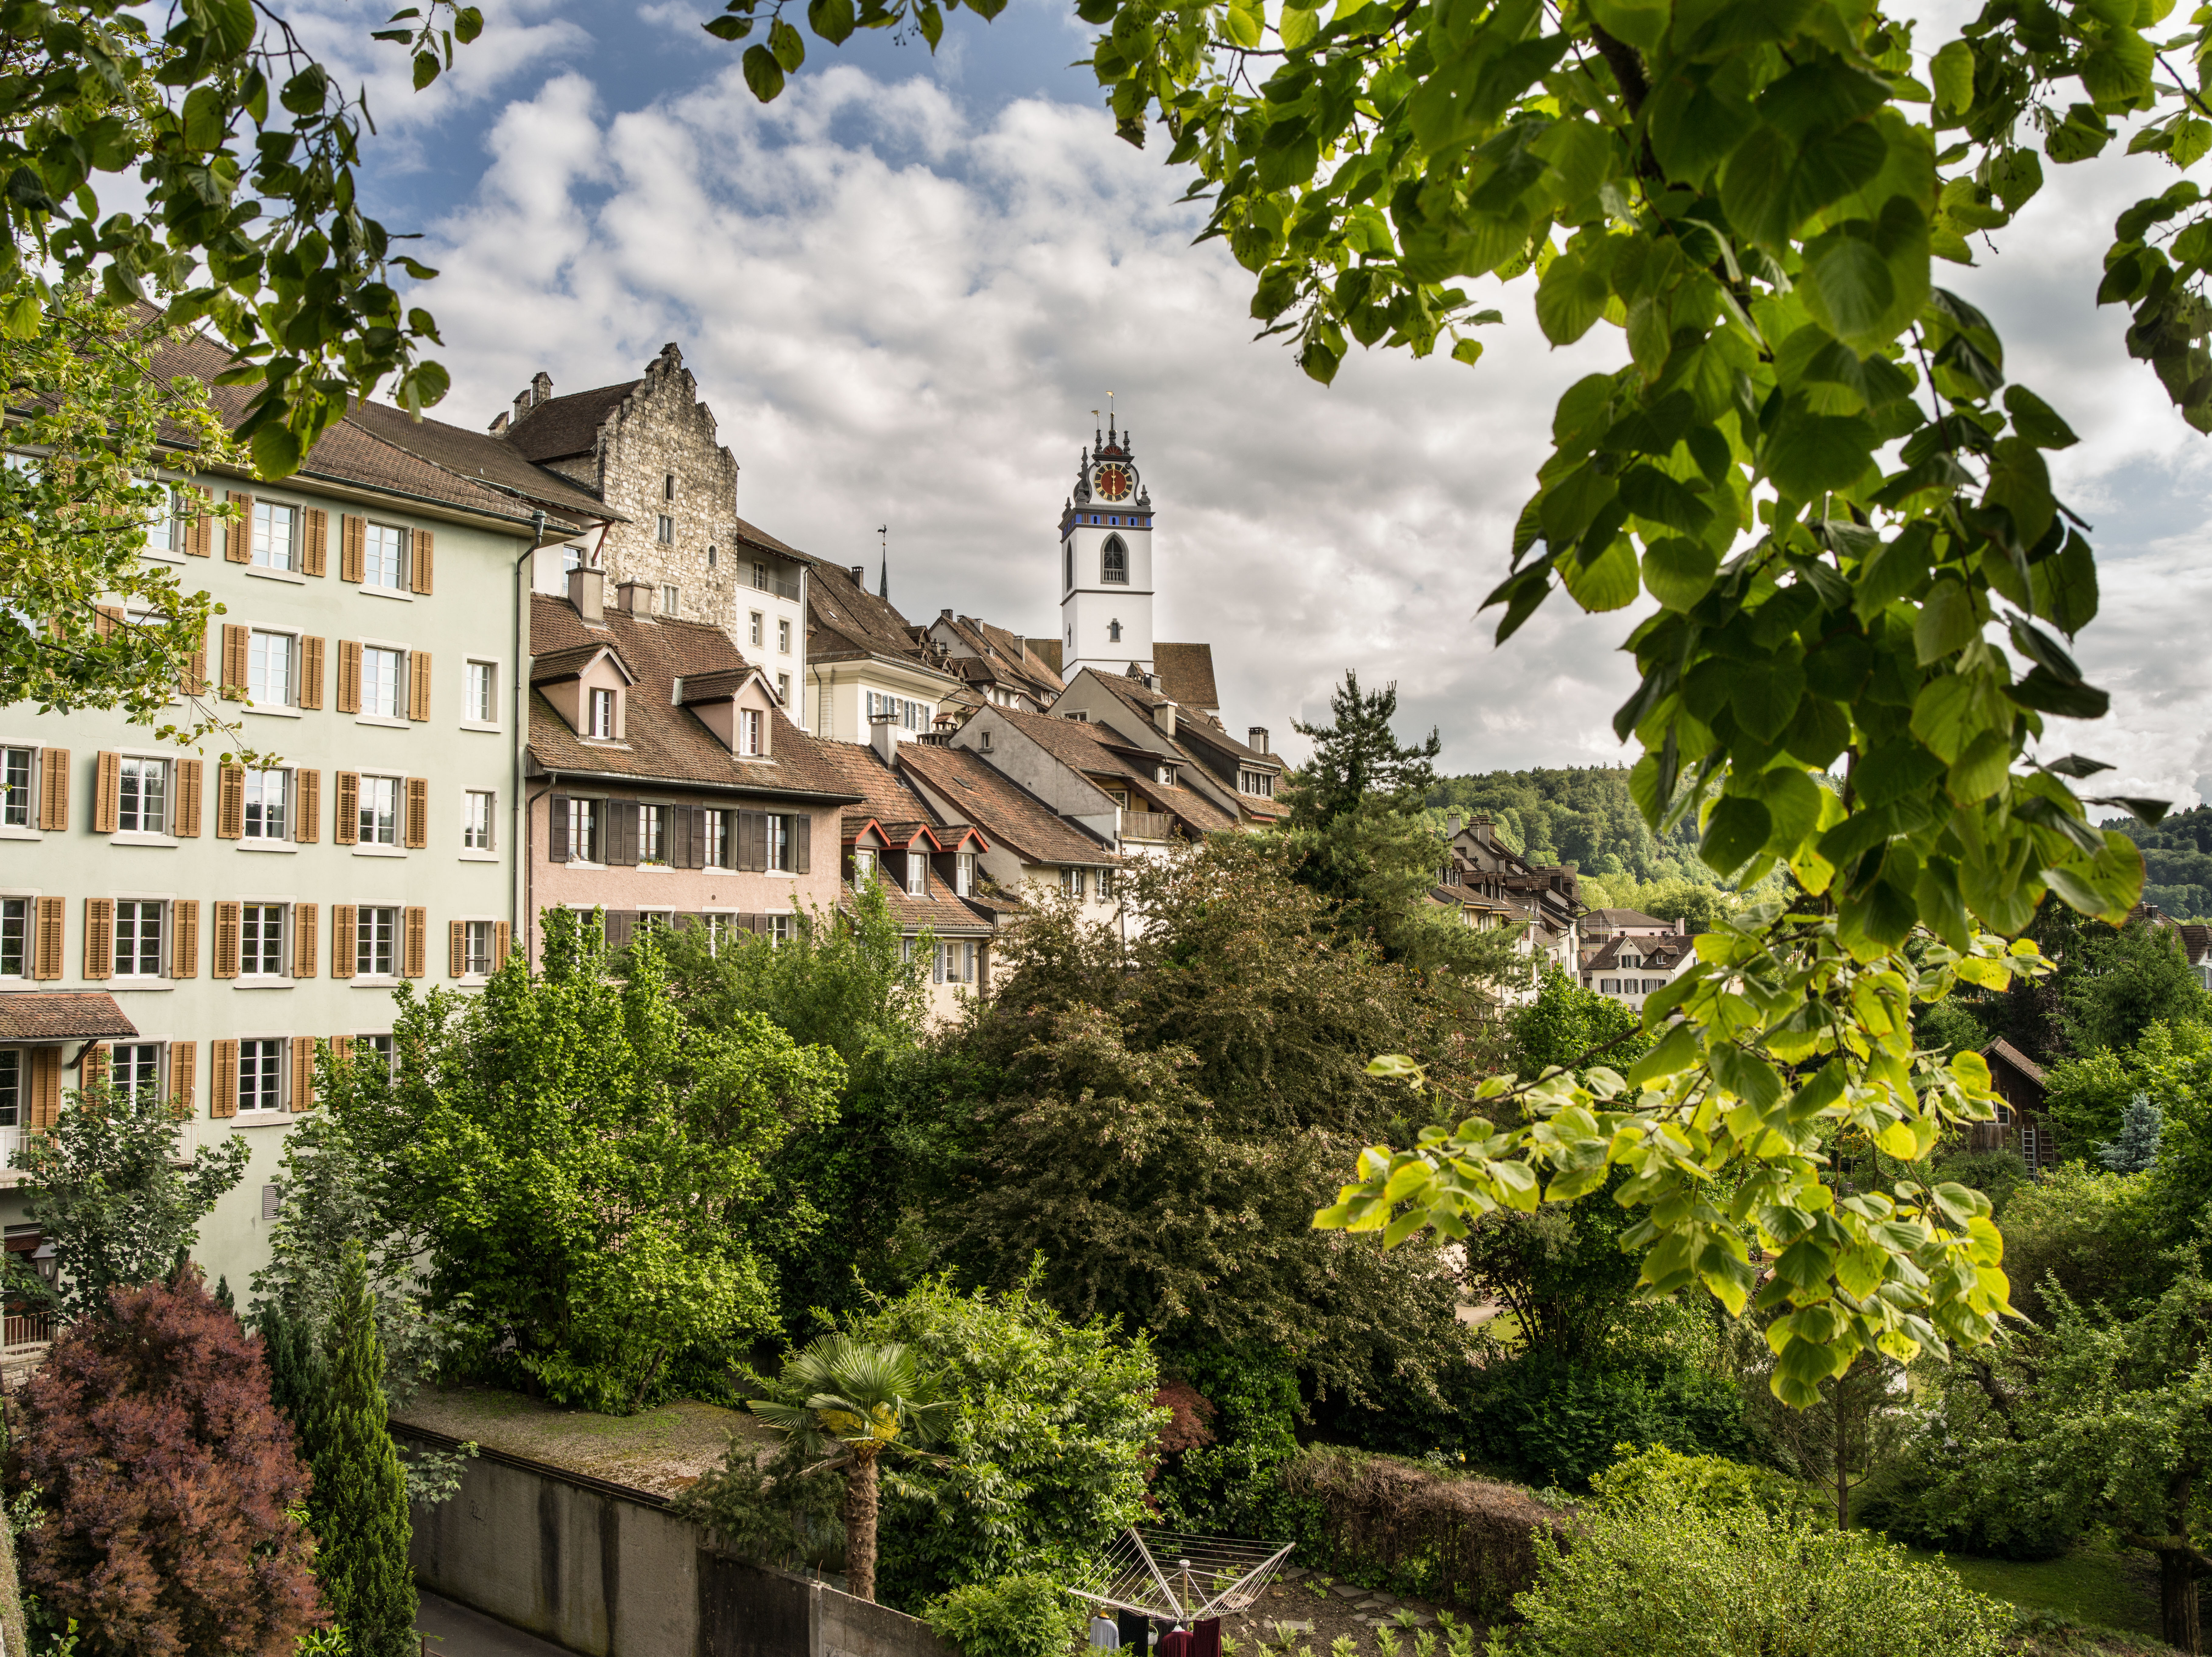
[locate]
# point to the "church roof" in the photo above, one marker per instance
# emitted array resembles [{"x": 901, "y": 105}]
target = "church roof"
[{"x": 1186, "y": 673}]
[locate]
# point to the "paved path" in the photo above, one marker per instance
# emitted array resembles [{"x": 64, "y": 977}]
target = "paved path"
[{"x": 456, "y": 1632}]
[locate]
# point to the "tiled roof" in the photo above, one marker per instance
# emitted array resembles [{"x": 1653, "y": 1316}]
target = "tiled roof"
[
  {"x": 843, "y": 617},
  {"x": 479, "y": 455},
  {"x": 1468, "y": 898},
  {"x": 551, "y": 666},
  {"x": 1620, "y": 918},
  {"x": 1008, "y": 814},
  {"x": 1003, "y": 655},
  {"x": 2005, "y": 1053},
  {"x": 1193, "y": 807},
  {"x": 1186, "y": 673},
  {"x": 1075, "y": 743},
  {"x": 1046, "y": 650},
  {"x": 2196, "y": 940},
  {"x": 753, "y": 535},
  {"x": 1660, "y": 954},
  {"x": 895, "y": 805},
  {"x": 61, "y": 1016},
  {"x": 715, "y": 686},
  {"x": 562, "y": 426},
  {"x": 661, "y": 742}
]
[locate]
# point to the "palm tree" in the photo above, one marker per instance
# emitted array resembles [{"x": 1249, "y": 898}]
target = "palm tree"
[{"x": 863, "y": 1398}]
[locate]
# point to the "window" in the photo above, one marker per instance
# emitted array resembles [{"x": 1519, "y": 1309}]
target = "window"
[
  {"x": 917, "y": 873},
  {"x": 11, "y": 1087},
  {"x": 1114, "y": 632},
  {"x": 134, "y": 1069},
  {"x": 584, "y": 831},
  {"x": 1070, "y": 550},
  {"x": 776, "y": 834},
  {"x": 261, "y": 940},
  {"x": 758, "y": 621},
  {"x": 1167, "y": 776},
  {"x": 16, "y": 787},
  {"x": 652, "y": 834},
  {"x": 275, "y": 532},
  {"x": 375, "y": 931},
  {"x": 137, "y": 939},
  {"x": 380, "y": 679},
  {"x": 600, "y": 721},
  {"x": 476, "y": 948},
  {"x": 1071, "y": 882},
  {"x": 383, "y": 556},
  {"x": 783, "y": 635},
  {"x": 863, "y": 865},
  {"x": 1105, "y": 885},
  {"x": 165, "y": 531},
  {"x": 143, "y": 798},
  {"x": 668, "y": 487},
  {"x": 964, "y": 879},
  {"x": 267, "y": 797},
  {"x": 783, "y": 688},
  {"x": 260, "y": 1076},
  {"x": 1260, "y": 782},
  {"x": 481, "y": 687},
  {"x": 383, "y": 1048},
  {"x": 14, "y": 936},
  {"x": 1114, "y": 562},
  {"x": 760, "y": 580},
  {"x": 269, "y": 668},
  {"x": 667, "y": 600},
  {"x": 710, "y": 555},
  {"x": 776, "y": 929},
  {"x": 476, "y": 820},
  {"x": 752, "y": 723},
  {"x": 380, "y": 811},
  {"x": 664, "y": 529},
  {"x": 716, "y": 852}
]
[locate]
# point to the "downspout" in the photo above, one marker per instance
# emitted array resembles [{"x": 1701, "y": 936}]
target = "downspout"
[
  {"x": 529, "y": 880},
  {"x": 519, "y": 834}
]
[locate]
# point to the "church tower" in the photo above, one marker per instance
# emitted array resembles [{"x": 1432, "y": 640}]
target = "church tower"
[{"x": 1106, "y": 562}]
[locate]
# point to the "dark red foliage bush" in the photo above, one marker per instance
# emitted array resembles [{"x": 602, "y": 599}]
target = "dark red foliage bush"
[
  {"x": 166, "y": 1475},
  {"x": 1192, "y": 1423}
]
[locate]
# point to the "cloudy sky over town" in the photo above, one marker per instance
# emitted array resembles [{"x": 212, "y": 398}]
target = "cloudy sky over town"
[{"x": 905, "y": 285}]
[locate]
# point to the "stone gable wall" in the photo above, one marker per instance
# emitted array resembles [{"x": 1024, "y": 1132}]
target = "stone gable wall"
[{"x": 662, "y": 428}]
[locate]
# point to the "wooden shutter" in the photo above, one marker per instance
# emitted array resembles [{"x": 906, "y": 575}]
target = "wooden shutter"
[
  {"x": 46, "y": 955},
  {"x": 227, "y": 924},
  {"x": 193, "y": 680},
  {"x": 45, "y": 1087},
  {"x": 307, "y": 806},
  {"x": 303, "y": 1073},
  {"x": 98, "y": 937},
  {"x": 348, "y": 676},
  {"x": 93, "y": 1068},
  {"x": 316, "y": 545},
  {"x": 234, "y": 658},
  {"x": 556, "y": 829},
  {"x": 230, "y": 803},
  {"x": 310, "y": 671},
  {"x": 199, "y": 529},
  {"x": 342, "y": 1050},
  {"x": 53, "y": 788},
  {"x": 184, "y": 938},
  {"x": 678, "y": 848},
  {"x": 418, "y": 826},
  {"x": 621, "y": 926},
  {"x": 417, "y": 953},
  {"x": 499, "y": 946},
  {"x": 188, "y": 799},
  {"x": 622, "y": 832},
  {"x": 222, "y": 1091},
  {"x": 457, "y": 949},
  {"x": 343, "y": 924},
  {"x": 107, "y": 619},
  {"x": 345, "y": 821},
  {"x": 422, "y": 547},
  {"x": 419, "y": 685},
  {"x": 306, "y": 945},
  {"x": 107, "y": 793},
  {"x": 353, "y": 548},
  {"x": 238, "y": 533},
  {"x": 184, "y": 1075},
  {"x": 802, "y": 837},
  {"x": 752, "y": 840}
]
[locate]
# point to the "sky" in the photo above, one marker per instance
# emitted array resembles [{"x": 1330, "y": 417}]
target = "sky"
[{"x": 905, "y": 285}]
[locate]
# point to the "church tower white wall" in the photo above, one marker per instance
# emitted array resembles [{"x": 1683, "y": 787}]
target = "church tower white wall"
[{"x": 1106, "y": 563}]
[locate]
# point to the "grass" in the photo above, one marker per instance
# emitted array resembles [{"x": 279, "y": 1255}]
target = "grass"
[{"x": 2095, "y": 1584}]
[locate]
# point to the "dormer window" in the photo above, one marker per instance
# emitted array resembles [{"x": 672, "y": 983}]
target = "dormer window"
[
  {"x": 1167, "y": 776},
  {"x": 753, "y": 731},
  {"x": 1114, "y": 562},
  {"x": 964, "y": 879},
  {"x": 917, "y": 872},
  {"x": 599, "y": 719},
  {"x": 863, "y": 865}
]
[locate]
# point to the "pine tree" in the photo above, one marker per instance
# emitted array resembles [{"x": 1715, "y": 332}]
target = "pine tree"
[
  {"x": 360, "y": 1492},
  {"x": 2141, "y": 1126},
  {"x": 295, "y": 1375},
  {"x": 1357, "y": 757}
]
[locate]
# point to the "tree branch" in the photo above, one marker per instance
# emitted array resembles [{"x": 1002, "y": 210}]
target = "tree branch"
[{"x": 1627, "y": 69}]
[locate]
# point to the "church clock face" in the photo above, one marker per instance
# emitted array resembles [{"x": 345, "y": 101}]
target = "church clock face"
[{"x": 1113, "y": 482}]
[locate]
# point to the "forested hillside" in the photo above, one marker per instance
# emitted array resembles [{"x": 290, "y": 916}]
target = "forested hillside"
[
  {"x": 2177, "y": 861},
  {"x": 1580, "y": 816}
]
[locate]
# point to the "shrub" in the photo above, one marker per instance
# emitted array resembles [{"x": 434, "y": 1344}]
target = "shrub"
[
  {"x": 1713, "y": 1483},
  {"x": 1022, "y": 1615},
  {"x": 1661, "y": 1574},
  {"x": 1556, "y": 1424},
  {"x": 168, "y": 1481}
]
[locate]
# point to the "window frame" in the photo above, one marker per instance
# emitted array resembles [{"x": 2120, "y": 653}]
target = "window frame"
[
  {"x": 599, "y": 731},
  {"x": 366, "y": 941},
  {"x": 25, "y": 939},
  {"x": 671, "y": 595},
  {"x": 664, "y": 528},
  {"x": 166, "y": 769},
  {"x": 402, "y": 556},
  {"x": 471, "y": 956},
  {"x": 141, "y": 947},
  {"x": 917, "y": 872},
  {"x": 587, "y": 826},
  {"x": 26, "y": 790},
  {"x": 489, "y": 828},
  {"x": 279, "y": 949},
  {"x": 1109, "y": 574},
  {"x": 783, "y": 636},
  {"x": 263, "y": 534},
  {"x": 759, "y": 627},
  {"x": 256, "y": 780},
  {"x": 398, "y": 655},
  {"x": 480, "y": 709},
  {"x": 270, "y": 1066},
  {"x": 362, "y": 822}
]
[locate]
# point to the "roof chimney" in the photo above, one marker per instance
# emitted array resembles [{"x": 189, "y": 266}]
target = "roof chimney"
[
  {"x": 884, "y": 736},
  {"x": 587, "y": 591},
  {"x": 635, "y": 596},
  {"x": 541, "y": 387},
  {"x": 521, "y": 404},
  {"x": 1165, "y": 717},
  {"x": 1257, "y": 739},
  {"x": 1451, "y": 827},
  {"x": 945, "y": 614},
  {"x": 859, "y": 572},
  {"x": 498, "y": 427}
]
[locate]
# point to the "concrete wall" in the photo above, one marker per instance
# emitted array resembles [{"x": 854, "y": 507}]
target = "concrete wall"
[{"x": 605, "y": 1571}]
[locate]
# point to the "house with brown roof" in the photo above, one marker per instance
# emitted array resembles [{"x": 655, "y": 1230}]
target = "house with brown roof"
[
  {"x": 2021, "y": 1124},
  {"x": 996, "y": 666},
  {"x": 1628, "y": 966},
  {"x": 1031, "y": 848},
  {"x": 1542, "y": 898},
  {"x": 864, "y": 664},
  {"x": 1240, "y": 778}
]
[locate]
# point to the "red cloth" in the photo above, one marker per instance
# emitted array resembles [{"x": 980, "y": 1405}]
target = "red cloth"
[
  {"x": 1206, "y": 1638},
  {"x": 1174, "y": 1645}
]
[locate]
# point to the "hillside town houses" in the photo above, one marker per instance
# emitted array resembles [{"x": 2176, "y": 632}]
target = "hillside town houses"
[{"x": 547, "y": 666}]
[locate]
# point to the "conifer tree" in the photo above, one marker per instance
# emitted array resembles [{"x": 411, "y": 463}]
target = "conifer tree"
[
  {"x": 1357, "y": 757},
  {"x": 2142, "y": 1126},
  {"x": 295, "y": 1375},
  {"x": 360, "y": 1492}
]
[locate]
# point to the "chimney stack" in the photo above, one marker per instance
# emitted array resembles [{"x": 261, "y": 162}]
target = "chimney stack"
[
  {"x": 498, "y": 427},
  {"x": 541, "y": 387},
  {"x": 635, "y": 596},
  {"x": 1257, "y": 739},
  {"x": 1165, "y": 717},
  {"x": 859, "y": 572},
  {"x": 587, "y": 591},
  {"x": 884, "y": 736},
  {"x": 1451, "y": 827}
]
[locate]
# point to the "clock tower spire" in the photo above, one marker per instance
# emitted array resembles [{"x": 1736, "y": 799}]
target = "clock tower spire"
[{"x": 1106, "y": 560}]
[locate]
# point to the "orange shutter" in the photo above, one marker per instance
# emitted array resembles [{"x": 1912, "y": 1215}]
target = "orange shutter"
[
  {"x": 345, "y": 824},
  {"x": 108, "y": 620},
  {"x": 417, "y": 952},
  {"x": 198, "y": 526},
  {"x": 348, "y": 676},
  {"x": 457, "y": 949},
  {"x": 107, "y": 793},
  {"x": 342, "y": 940},
  {"x": 318, "y": 541},
  {"x": 499, "y": 946},
  {"x": 305, "y": 944},
  {"x": 230, "y": 803},
  {"x": 342, "y": 1050},
  {"x": 418, "y": 813},
  {"x": 307, "y": 806},
  {"x": 310, "y": 672},
  {"x": 188, "y": 800},
  {"x": 93, "y": 1068},
  {"x": 45, "y": 1087},
  {"x": 303, "y": 1073},
  {"x": 53, "y": 788},
  {"x": 233, "y": 659},
  {"x": 423, "y": 550},
  {"x": 227, "y": 920},
  {"x": 419, "y": 685},
  {"x": 353, "y": 561},
  {"x": 222, "y": 1094},
  {"x": 98, "y": 937},
  {"x": 193, "y": 680},
  {"x": 184, "y": 1075},
  {"x": 184, "y": 938},
  {"x": 238, "y": 533},
  {"x": 47, "y": 957}
]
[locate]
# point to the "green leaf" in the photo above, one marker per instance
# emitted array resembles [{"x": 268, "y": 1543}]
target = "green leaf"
[
  {"x": 1810, "y": 453},
  {"x": 2046, "y": 692},
  {"x": 830, "y": 19},
  {"x": 2065, "y": 585},
  {"x": 1466, "y": 350},
  {"x": 1680, "y": 572},
  {"x": 1734, "y": 834},
  {"x": 1981, "y": 771},
  {"x": 1950, "y": 619},
  {"x": 1298, "y": 27},
  {"x": 785, "y": 42},
  {"x": 2035, "y": 420},
  {"x": 2021, "y": 483},
  {"x": 1641, "y": 23},
  {"x": 1952, "y": 70},
  {"x": 1608, "y": 582},
  {"x": 425, "y": 68},
  {"x": 275, "y": 451},
  {"x": 763, "y": 75},
  {"x": 1848, "y": 287}
]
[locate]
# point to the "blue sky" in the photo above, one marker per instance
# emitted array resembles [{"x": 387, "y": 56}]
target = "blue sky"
[{"x": 904, "y": 285}]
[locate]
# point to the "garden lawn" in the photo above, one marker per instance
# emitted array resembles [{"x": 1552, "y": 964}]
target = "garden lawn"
[
  {"x": 664, "y": 1450},
  {"x": 2095, "y": 1584}
]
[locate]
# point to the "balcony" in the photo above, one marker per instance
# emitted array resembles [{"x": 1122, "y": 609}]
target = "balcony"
[
  {"x": 1147, "y": 825},
  {"x": 766, "y": 580}
]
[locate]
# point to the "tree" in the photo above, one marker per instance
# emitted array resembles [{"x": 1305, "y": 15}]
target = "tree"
[
  {"x": 167, "y": 1484},
  {"x": 2118, "y": 984},
  {"x": 1810, "y": 460},
  {"x": 1568, "y": 1027},
  {"x": 1357, "y": 757},
  {"x": 865, "y": 1398},
  {"x": 2137, "y": 1147},
  {"x": 360, "y": 1492},
  {"x": 110, "y": 1185},
  {"x": 1380, "y": 860}
]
